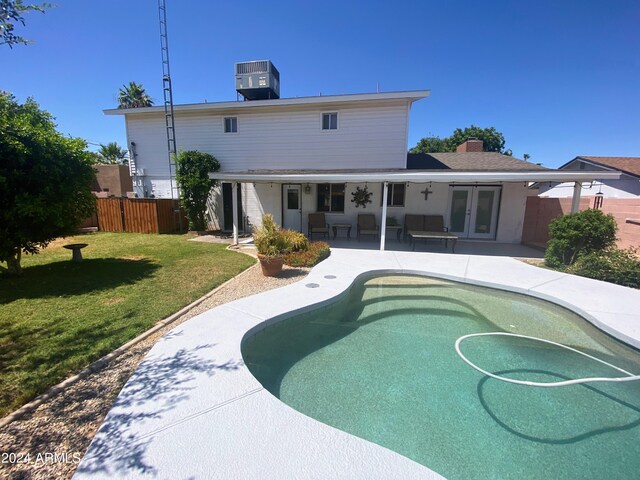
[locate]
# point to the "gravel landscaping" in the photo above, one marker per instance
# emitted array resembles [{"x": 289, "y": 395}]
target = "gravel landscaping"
[{"x": 48, "y": 442}]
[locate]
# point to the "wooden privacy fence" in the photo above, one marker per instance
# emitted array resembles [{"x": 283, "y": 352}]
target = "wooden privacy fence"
[
  {"x": 140, "y": 215},
  {"x": 541, "y": 210}
]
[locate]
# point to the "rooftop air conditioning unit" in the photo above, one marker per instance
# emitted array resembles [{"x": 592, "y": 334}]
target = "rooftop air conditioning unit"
[{"x": 259, "y": 80}]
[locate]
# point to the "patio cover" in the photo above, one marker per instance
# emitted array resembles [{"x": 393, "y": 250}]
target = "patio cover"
[{"x": 406, "y": 176}]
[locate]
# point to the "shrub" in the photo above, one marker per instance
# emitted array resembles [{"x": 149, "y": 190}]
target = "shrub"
[
  {"x": 192, "y": 174},
  {"x": 295, "y": 241},
  {"x": 316, "y": 252},
  {"x": 270, "y": 240},
  {"x": 577, "y": 234},
  {"x": 267, "y": 237},
  {"x": 611, "y": 265}
]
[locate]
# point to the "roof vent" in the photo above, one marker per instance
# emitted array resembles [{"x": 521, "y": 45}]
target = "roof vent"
[{"x": 258, "y": 80}]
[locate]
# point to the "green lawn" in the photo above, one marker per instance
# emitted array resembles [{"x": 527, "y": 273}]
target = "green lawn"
[{"x": 60, "y": 316}]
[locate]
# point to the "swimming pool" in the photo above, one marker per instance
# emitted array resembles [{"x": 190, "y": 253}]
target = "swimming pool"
[{"x": 380, "y": 364}]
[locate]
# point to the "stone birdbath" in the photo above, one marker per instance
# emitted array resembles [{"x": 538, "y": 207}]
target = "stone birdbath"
[{"x": 76, "y": 253}]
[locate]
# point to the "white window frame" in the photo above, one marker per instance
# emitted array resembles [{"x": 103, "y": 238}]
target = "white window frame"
[
  {"x": 390, "y": 195},
  {"x": 322, "y": 115},
  {"x": 224, "y": 124}
]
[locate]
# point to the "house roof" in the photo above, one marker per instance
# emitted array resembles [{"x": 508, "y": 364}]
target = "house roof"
[
  {"x": 628, "y": 165},
  {"x": 411, "y": 95},
  {"x": 471, "y": 162},
  {"x": 463, "y": 167}
]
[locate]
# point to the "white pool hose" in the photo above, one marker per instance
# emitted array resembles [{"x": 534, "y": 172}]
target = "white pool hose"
[{"x": 629, "y": 378}]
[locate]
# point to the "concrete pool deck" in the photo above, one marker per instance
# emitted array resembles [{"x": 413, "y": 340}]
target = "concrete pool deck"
[{"x": 193, "y": 410}]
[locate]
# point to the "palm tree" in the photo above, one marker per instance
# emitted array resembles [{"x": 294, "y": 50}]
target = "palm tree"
[
  {"x": 112, "y": 153},
  {"x": 133, "y": 96}
]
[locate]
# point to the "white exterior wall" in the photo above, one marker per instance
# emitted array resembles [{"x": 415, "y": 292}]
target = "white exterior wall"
[
  {"x": 368, "y": 136},
  {"x": 626, "y": 187},
  {"x": 513, "y": 203}
]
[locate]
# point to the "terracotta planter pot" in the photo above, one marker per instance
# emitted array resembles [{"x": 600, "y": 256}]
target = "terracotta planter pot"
[{"x": 271, "y": 266}]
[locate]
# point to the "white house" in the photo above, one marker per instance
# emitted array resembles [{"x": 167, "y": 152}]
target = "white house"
[
  {"x": 294, "y": 156},
  {"x": 627, "y": 186}
]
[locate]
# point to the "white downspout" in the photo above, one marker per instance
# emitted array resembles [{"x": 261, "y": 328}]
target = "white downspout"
[
  {"x": 575, "y": 203},
  {"x": 234, "y": 203},
  {"x": 383, "y": 225}
]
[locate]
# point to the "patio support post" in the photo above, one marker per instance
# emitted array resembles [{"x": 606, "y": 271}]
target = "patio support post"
[
  {"x": 383, "y": 223},
  {"x": 234, "y": 203},
  {"x": 575, "y": 202}
]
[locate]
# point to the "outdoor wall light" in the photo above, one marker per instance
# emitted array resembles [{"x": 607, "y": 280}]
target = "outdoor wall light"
[{"x": 307, "y": 189}]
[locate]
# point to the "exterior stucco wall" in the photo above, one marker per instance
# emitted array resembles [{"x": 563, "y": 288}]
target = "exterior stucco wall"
[
  {"x": 511, "y": 217},
  {"x": 268, "y": 199}
]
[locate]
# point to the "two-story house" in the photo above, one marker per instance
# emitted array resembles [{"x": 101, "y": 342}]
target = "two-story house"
[{"x": 294, "y": 156}]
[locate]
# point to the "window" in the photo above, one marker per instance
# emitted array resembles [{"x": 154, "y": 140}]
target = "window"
[
  {"x": 395, "y": 195},
  {"x": 330, "y": 121},
  {"x": 331, "y": 197},
  {"x": 231, "y": 125}
]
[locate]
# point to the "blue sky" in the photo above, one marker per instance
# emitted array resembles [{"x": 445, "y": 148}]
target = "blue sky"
[{"x": 558, "y": 78}]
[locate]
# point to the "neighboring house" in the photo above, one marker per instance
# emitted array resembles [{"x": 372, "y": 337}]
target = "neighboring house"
[
  {"x": 619, "y": 197},
  {"x": 627, "y": 186},
  {"x": 294, "y": 156}
]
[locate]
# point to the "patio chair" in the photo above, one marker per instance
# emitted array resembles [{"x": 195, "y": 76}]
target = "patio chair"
[
  {"x": 367, "y": 225},
  {"x": 317, "y": 224}
]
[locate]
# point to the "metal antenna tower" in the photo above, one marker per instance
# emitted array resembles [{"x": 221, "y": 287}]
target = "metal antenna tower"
[{"x": 167, "y": 91}]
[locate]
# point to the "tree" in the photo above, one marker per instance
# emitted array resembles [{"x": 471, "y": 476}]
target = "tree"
[
  {"x": 192, "y": 174},
  {"x": 430, "y": 145},
  {"x": 112, "y": 153},
  {"x": 11, "y": 12},
  {"x": 492, "y": 141},
  {"x": 45, "y": 181},
  {"x": 133, "y": 96}
]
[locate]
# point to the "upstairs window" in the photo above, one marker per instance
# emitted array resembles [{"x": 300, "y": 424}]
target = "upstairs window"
[
  {"x": 331, "y": 197},
  {"x": 330, "y": 121},
  {"x": 231, "y": 125}
]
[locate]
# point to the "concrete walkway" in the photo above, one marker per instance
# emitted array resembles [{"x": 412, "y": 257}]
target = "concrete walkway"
[{"x": 193, "y": 410}]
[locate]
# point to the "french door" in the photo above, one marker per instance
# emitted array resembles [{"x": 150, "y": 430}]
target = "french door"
[{"x": 473, "y": 211}]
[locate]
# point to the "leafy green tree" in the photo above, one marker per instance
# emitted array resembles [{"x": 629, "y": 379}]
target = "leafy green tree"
[
  {"x": 133, "y": 96},
  {"x": 11, "y": 12},
  {"x": 192, "y": 174},
  {"x": 577, "y": 234},
  {"x": 112, "y": 153},
  {"x": 45, "y": 181},
  {"x": 492, "y": 141},
  {"x": 430, "y": 145}
]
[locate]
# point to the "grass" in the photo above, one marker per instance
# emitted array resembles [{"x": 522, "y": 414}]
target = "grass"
[{"x": 60, "y": 316}]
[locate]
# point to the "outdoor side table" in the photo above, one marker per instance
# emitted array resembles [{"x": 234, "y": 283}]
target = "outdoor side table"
[
  {"x": 344, "y": 226},
  {"x": 398, "y": 229},
  {"x": 75, "y": 249}
]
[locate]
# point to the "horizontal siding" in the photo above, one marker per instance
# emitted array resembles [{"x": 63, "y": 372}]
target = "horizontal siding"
[{"x": 367, "y": 137}]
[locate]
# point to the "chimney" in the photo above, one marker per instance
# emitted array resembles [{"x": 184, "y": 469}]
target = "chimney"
[{"x": 471, "y": 145}]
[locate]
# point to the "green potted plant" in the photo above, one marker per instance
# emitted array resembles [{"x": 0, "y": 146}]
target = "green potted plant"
[{"x": 273, "y": 243}]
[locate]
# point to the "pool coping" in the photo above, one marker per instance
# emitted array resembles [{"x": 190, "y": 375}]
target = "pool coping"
[{"x": 193, "y": 385}]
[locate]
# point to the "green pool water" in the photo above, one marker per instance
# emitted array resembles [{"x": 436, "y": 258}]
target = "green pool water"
[{"x": 380, "y": 364}]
